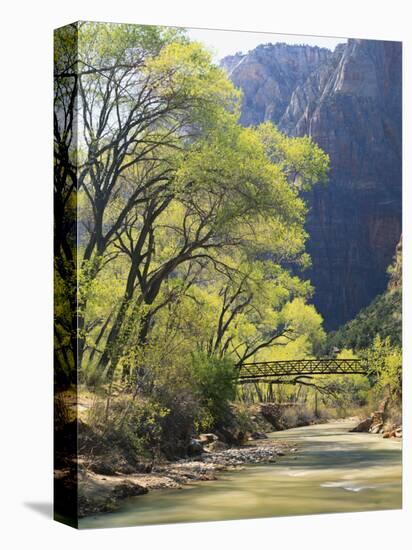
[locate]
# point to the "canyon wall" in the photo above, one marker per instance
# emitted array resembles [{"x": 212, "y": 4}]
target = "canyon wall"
[{"x": 350, "y": 102}]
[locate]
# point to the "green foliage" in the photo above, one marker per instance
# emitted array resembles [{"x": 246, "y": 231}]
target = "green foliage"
[
  {"x": 133, "y": 425},
  {"x": 382, "y": 316},
  {"x": 348, "y": 391},
  {"x": 215, "y": 380},
  {"x": 376, "y": 335},
  {"x": 385, "y": 362},
  {"x": 189, "y": 226},
  {"x": 109, "y": 44},
  {"x": 195, "y": 195},
  {"x": 301, "y": 160}
]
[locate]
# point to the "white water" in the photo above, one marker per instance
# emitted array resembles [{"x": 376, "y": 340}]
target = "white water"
[{"x": 333, "y": 471}]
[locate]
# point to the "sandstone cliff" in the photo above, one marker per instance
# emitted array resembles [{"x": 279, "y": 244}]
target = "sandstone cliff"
[{"x": 349, "y": 102}]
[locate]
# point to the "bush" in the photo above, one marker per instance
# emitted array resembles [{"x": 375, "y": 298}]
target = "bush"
[
  {"x": 215, "y": 384},
  {"x": 385, "y": 362},
  {"x": 133, "y": 426},
  {"x": 178, "y": 426}
]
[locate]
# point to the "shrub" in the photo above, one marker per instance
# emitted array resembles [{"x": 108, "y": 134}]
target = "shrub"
[
  {"x": 385, "y": 361},
  {"x": 214, "y": 381},
  {"x": 135, "y": 426},
  {"x": 178, "y": 425}
]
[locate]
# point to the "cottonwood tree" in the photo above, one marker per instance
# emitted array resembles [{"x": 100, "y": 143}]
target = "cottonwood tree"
[
  {"x": 213, "y": 206},
  {"x": 228, "y": 196},
  {"x": 166, "y": 181},
  {"x": 126, "y": 97},
  {"x": 65, "y": 208},
  {"x": 254, "y": 310}
]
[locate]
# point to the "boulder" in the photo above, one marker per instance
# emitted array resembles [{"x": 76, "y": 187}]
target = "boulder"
[
  {"x": 376, "y": 428},
  {"x": 207, "y": 438},
  {"x": 231, "y": 435},
  {"x": 363, "y": 426},
  {"x": 195, "y": 447}
]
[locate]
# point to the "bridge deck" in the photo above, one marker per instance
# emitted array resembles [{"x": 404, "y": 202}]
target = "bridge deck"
[{"x": 300, "y": 367}]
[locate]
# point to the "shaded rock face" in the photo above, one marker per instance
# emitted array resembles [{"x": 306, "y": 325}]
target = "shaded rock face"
[
  {"x": 349, "y": 102},
  {"x": 268, "y": 77}
]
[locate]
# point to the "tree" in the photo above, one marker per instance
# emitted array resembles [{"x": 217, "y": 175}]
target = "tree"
[
  {"x": 169, "y": 187},
  {"x": 385, "y": 361},
  {"x": 65, "y": 209},
  {"x": 229, "y": 200},
  {"x": 129, "y": 97}
]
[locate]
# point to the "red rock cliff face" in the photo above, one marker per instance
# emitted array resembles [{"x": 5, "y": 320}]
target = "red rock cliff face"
[{"x": 349, "y": 102}]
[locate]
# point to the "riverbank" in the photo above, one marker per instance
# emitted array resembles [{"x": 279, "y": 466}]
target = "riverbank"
[
  {"x": 106, "y": 471},
  {"x": 107, "y": 476},
  {"x": 104, "y": 493},
  {"x": 387, "y": 420},
  {"x": 333, "y": 471},
  {"x": 110, "y": 465}
]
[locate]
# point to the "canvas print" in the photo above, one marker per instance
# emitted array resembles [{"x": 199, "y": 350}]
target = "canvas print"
[{"x": 228, "y": 282}]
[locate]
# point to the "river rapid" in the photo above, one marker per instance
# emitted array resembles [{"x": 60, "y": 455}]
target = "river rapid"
[{"x": 333, "y": 471}]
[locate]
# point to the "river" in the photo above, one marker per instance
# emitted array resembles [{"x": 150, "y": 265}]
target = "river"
[{"x": 333, "y": 471}]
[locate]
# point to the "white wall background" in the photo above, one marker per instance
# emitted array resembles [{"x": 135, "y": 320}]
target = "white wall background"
[{"x": 26, "y": 275}]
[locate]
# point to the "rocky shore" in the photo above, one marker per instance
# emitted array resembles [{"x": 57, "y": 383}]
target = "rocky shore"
[
  {"x": 381, "y": 422},
  {"x": 105, "y": 472},
  {"x": 103, "y": 493}
]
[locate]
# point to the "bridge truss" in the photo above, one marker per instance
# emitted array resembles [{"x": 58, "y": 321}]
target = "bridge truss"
[{"x": 272, "y": 371}]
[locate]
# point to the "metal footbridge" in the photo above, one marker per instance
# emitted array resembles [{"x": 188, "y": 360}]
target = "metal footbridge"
[{"x": 271, "y": 371}]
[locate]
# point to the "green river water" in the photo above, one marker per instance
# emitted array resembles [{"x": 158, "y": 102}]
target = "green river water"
[{"x": 333, "y": 471}]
